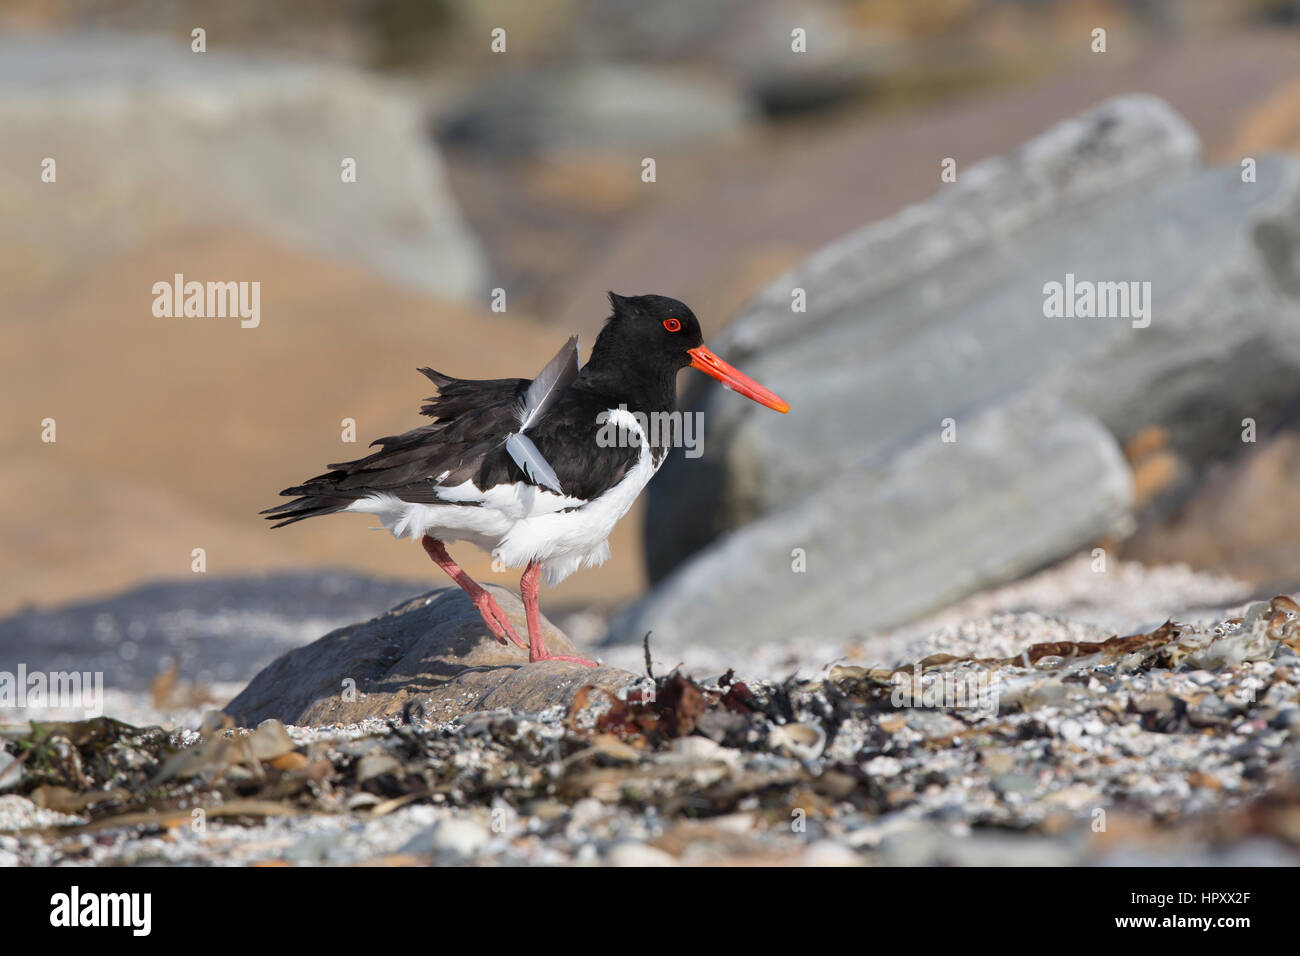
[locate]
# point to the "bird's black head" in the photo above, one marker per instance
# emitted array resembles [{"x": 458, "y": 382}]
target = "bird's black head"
[
  {"x": 647, "y": 340},
  {"x": 656, "y": 329}
]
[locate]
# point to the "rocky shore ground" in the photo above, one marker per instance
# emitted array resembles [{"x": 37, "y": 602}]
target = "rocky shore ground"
[{"x": 1026, "y": 726}]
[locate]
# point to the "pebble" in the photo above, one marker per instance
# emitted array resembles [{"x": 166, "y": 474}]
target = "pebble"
[
  {"x": 638, "y": 854},
  {"x": 10, "y": 774},
  {"x": 883, "y": 767},
  {"x": 459, "y": 835},
  {"x": 1288, "y": 718},
  {"x": 829, "y": 853},
  {"x": 1015, "y": 783}
]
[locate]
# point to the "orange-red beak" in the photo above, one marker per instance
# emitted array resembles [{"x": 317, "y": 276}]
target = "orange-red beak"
[{"x": 737, "y": 381}]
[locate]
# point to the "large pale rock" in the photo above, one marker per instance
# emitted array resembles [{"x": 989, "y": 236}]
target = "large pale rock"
[
  {"x": 1022, "y": 483},
  {"x": 149, "y": 139},
  {"x": 938, "y": 312},
  {"x": 432, "y": 652}
]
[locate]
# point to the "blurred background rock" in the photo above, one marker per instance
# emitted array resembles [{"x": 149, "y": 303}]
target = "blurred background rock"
[{"x": 521, "y": 171}]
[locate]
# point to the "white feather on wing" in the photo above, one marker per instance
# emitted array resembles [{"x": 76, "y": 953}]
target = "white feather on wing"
[{"x": 544, "y": 391}]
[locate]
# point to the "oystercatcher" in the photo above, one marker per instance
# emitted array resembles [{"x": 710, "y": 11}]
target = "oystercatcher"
[{"x": 526, "y": 469}]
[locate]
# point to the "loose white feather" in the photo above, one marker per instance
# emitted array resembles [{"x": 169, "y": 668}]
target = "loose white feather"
[
  {"x": 549, "y": 385},
  {"x": 533, "y": 463}
]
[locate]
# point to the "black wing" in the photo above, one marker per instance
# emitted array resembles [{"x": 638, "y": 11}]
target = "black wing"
[{"x": 466, "y": 441}]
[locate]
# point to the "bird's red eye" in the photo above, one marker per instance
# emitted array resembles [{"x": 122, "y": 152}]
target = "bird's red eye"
[{"x": 672, "y": 325}]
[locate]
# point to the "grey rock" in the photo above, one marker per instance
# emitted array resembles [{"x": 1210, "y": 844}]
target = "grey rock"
[
  {"x": 432, "y": 653},
  {"x": 270, "y": 740},
  {"x": 938, "y": 312},
  {"x": 735, "y": 32},
  {"x": 10, "y": 775},
  {"x": 940, "y": 521},
  {"x": 829, "y": 853},
  {"x": 1250, "y": 851},
  {"x": 376, "y": 765},
  {"x": 1112, "y": 152},
  {"x": 928, "y": 845},
  {"x": 460, "y": 836},
  {"x": 223, "y": 629},
  {"x": 317, "y": 849},
  {"x": 1287, "y": 718},
  {"x": 839, "y": 61},
  {"x": 633, "y": 853},
  {"x": 1210, "y": 703},
  {"x": 1015, "y": 783},
  {"x": 457, "y": 836},
  {"x": 749, "y": 40},
  {"x": 602, "y": 106},
  {"x": 150, "y": 138}
]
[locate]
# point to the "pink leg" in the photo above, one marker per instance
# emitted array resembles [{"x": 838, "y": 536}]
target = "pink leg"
[
  {"x": 493, "y": 616},
  {"x": 531, "y": 590}
]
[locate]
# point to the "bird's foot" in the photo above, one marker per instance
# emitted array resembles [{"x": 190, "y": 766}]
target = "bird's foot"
[
  {"x": 528, "y": 588},
  {"x": 548, "y": 656},
  {"x": 496, "y": 620}
]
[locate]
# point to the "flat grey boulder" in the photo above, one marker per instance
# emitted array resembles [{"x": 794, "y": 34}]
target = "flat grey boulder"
[
  {"x": 149, "y": 138},
  {"x": 432, "y": 653},
  {"x": 1021, "y": 483}
]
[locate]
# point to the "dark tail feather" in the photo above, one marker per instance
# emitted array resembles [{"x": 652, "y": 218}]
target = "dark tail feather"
[
  {"x": 437, "y": 378},
  {"x": 313, "y": 502},
  {"x": 431, "y": 405},
  {"x": 404, "y": 463}
]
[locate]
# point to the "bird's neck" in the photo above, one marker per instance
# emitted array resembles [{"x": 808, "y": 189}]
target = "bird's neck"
[{"x": 640, "y": 388}]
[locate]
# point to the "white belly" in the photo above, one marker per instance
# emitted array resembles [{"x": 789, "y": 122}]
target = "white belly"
[{"x": 522, "y": 523}]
